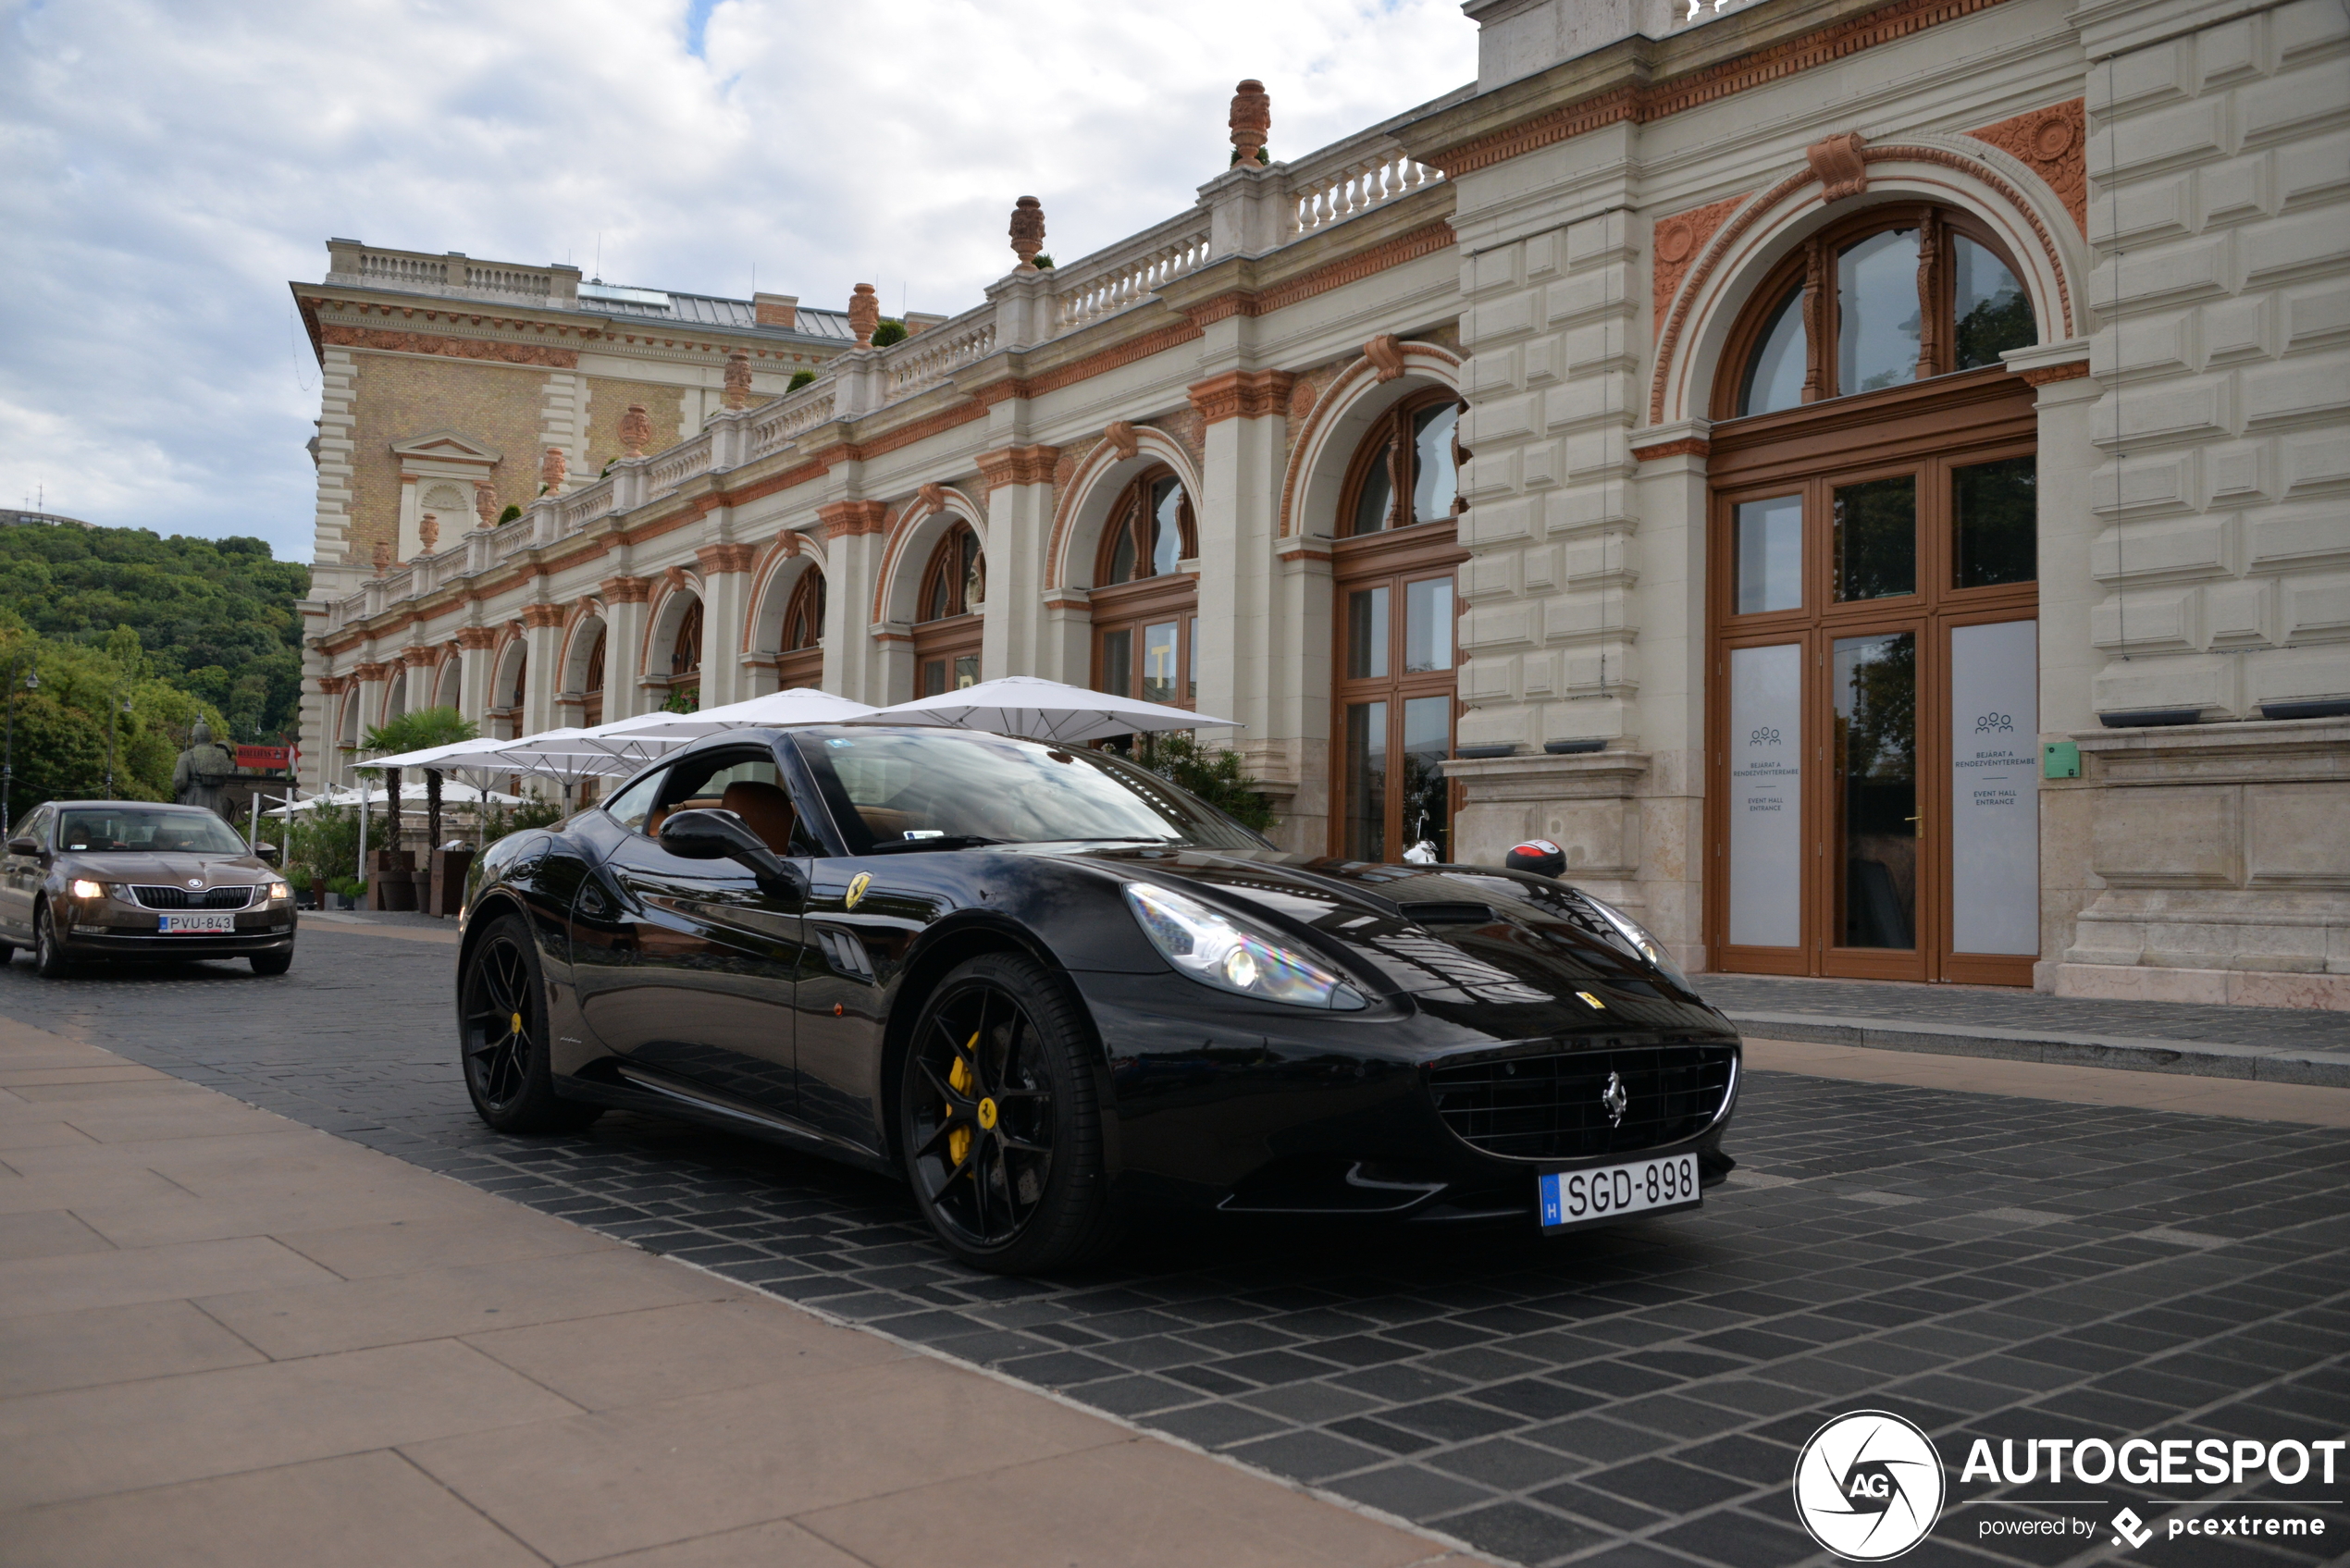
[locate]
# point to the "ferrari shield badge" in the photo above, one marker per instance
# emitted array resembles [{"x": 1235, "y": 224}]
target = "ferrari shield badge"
[{"x": 857, "y": 886}]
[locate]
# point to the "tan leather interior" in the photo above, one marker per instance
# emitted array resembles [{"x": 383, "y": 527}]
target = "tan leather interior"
[
  {"x": 885, "y": 822},
  {"x": 765, "y": 808}
]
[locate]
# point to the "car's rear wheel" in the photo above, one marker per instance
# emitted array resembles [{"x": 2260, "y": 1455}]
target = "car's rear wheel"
[
  {"x": 503, "y": 1031},
  {"x": 270, "y": 963},
  {"x": 48, "y": 953},
  {"x": 1000, "y": 1122}
]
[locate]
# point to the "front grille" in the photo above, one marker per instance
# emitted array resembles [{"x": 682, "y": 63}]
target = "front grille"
[
  {"x": 192, "y": 898},
  {"x": 1548, "y": 1107}
]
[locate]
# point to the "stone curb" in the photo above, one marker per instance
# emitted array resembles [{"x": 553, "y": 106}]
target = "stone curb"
[{"x": 2203, "y": 1058}]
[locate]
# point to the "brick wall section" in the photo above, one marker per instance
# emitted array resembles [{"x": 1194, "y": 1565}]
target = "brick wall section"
[
  {"x": 404, "y": 395},
  {"x": 608, "y": 401}
]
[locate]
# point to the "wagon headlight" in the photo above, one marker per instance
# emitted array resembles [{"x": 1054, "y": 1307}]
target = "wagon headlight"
[
  {"x": 1218, "y": 950},
  {"x": 279, "y": 893},
  {"x": 1642, "y": 941},
  {"x": 83, "y": 888}
]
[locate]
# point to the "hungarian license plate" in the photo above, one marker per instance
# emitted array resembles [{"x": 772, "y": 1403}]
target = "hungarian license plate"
[
  {"x": 1573, "y": 1198},
  {"x": 202, "y": 925}
]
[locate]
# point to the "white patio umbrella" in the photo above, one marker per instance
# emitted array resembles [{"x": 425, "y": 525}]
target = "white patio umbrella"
[
  {"x": 1041, "y": 709},
  {"x": 777, "y": 711},
  {"x": 451, "y": 794}
]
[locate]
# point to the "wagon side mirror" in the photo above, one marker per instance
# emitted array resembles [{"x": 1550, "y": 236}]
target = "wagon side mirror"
[
  {"x": 267, "y": 853},
  {"x": 23, "y": 847},
  {"x": 722, "y": 835}
]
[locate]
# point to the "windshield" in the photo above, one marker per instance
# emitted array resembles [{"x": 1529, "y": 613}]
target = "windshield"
[
  {"x": 888, "y": 788},
  {"x": 131, "y": 831}
]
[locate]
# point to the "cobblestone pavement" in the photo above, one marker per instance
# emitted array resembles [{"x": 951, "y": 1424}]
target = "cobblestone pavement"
[
  {"x": 1998, "y": 1267},
  {"x": 1955, "y": 1008}
]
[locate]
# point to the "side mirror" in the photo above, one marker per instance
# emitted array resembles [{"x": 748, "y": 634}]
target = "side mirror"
[
  {"x": 266, "y": 852},
  {"x": 23, "y": 847},
  {"x": 722, "y": 835}
]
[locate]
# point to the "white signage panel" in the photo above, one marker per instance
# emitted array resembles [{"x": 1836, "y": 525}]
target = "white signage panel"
[
  {"x": 1766, "y": 796},
  {"x": 1995, "y": 807}
]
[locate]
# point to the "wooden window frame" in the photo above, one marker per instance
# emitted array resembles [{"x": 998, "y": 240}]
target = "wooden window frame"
[
  {"x": 1811, "y": 268},
  {"x": 1129, "y": 514},
  {"x": 1395, "y": 425},
  {"x": 957, "y": 634},
  {"x": 591, "y": 686},
  {"x": 801, "y": 663},
  {"x": 685, "y": 654}
]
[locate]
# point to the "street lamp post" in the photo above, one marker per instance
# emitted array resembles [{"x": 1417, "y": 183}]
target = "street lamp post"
[{"x": 8, "y": 755}]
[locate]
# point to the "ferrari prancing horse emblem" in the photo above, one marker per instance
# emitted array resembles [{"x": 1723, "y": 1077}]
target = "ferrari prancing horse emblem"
[
  {"x": 857, "y": 886},
  {"x": 1615, "y": 1099}
]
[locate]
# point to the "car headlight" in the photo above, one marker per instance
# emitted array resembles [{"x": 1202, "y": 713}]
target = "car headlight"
[
  {"x": 83, "y": 888},
  {"x": 279, "y": 893},
  {"x": 1643, "y": 942},
  {"x": 1216, "y": 950}
]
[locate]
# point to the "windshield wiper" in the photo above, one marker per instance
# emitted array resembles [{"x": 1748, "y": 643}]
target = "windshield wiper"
[
  {"x": 944, "y": 841},
  {"x": 1107, "y": 838}
]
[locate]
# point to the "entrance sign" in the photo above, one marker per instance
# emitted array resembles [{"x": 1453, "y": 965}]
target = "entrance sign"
[
  {"x": 1995, "y": 808},
  {"x": 1767, "y": 799}
]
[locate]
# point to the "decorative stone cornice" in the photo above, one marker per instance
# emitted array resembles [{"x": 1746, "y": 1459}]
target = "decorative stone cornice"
[
  {"x": 2053, "y": 144},
  {"x": 369, "y": 672},
  {"x": 2041, "y": 375},
  {"x": 417, "y": 658},
  {"x": 1585, "y": 775},
  {"x": 538, "y": 616},
  {"x": 333, "y": 686},
  {"x": 476, "y": 637},
  {"x": 1241, "y": 394},
  {"x": 725, "y": 558},
  {"x": 335, "y": 335},
  {"x": 1687, "y": 446},
  {"x": 1017, "y": 465},
  {"x": 845, "y": 519},
  {"x": 626, "y": 590}
]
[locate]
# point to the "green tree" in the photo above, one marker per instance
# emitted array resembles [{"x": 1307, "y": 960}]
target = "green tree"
[
  {"x": 415, "y": 731},
  {"x": 1213, "y": 775},
  {"x": 66, "y": 724}
]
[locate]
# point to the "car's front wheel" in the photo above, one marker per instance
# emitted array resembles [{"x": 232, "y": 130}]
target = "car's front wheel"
[
  {"x": 1000, "y": 1121},
  {"x": 270, "y": 963},
  {"x": 502, "y": 1012},
  {"x": 48, "y": 953}
]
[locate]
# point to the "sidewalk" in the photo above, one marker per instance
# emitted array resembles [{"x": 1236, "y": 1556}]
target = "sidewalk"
[
  {"x": 2284, "y": 1046},
  {"x": 228, "y": 1338}
]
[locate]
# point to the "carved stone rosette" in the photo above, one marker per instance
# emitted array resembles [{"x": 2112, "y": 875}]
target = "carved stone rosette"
[
  {"x": 738, "y": 378},
  {"x": 1252, "y": 119},
  {"x": 864, "y": 314},
  {"x": 1028, "y": 231}
]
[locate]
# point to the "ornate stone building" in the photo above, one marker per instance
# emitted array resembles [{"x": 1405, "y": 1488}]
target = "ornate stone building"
[{"x": 1867, "y": 478}]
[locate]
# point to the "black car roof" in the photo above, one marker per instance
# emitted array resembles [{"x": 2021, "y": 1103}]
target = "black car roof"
[{"x": 140, "y": 805}]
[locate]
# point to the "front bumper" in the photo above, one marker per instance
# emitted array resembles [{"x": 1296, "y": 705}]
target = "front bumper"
[
  {"x": 116, "y": 930},
  {"x": 1253, "y": 1109}
]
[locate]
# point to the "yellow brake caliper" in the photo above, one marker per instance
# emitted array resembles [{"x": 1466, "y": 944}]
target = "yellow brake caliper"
[{"x": 959, "y": 1142}]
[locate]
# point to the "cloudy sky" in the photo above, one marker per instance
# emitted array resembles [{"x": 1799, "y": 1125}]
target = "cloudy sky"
[{"x": 172, "y": 162}]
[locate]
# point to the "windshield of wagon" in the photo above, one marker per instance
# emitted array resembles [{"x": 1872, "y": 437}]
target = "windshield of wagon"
[
  {"x": 135, "y": 832},
  {"x": 890, "y": 788}
]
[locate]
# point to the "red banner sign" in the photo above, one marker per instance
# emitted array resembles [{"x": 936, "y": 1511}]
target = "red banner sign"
[{"x": 269, "y": 758}]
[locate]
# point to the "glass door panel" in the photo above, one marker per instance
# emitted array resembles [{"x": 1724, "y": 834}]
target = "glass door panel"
[
  {"x": 1427, "y": 624},
  {"x": 1158, "y": 663},
  {"x": 1766, "y": 796},
  {"x": 1875, "y": 524},
  {"x": 1428, "y": 795},
  {"x": 1995, "y": 818},
  {"x": 1366, "y": 617},
  {"x": 1874, "y": 684},
  {"x": 1365, "y": 808},
  {"x": 1769, "y": 552},
  {"x": 1118, "y": 662}
]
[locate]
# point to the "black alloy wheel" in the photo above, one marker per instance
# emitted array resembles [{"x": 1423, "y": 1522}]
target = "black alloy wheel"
[
  {"x": 502, "y": 1024},
  {"x": 48, "y": 953},
  {"x": 999, "y": 1121}
]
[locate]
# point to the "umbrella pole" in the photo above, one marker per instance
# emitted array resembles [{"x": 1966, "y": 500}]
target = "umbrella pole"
[{"x": 362, "y": 872}]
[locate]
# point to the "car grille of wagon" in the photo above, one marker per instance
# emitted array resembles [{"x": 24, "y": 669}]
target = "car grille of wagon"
[
  {"x": 1553, "y": 1105},
  {"x": 192, "y": 898}
]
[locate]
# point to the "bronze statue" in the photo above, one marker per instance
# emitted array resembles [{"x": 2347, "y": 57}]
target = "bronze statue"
[{"x": 203, "y": 770}]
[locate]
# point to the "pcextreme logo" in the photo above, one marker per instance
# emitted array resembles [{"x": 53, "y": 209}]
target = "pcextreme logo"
[{"x": 1868, "y": 1486}]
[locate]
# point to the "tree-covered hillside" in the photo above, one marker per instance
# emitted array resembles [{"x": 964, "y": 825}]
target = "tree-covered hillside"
[{"x": 214, "y": 617}]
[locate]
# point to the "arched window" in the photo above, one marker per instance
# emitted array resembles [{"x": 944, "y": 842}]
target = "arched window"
[
  {"x": 947, "y": 629},
  {"x": 1146, "y": 611},
  {"x": 1889, "y": 297},
  {"x": 1408, "y": 469},
  {"x": 591, "y": 687},
  {"x": 684, "y": 661},
  {"x": 802, "y": 659},
  {"x": 1872, "y": 566},
  {"x": 1393, "y": 683}
]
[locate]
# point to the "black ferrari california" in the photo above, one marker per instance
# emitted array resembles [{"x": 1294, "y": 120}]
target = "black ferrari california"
[{"x": 1053, "y": 991}]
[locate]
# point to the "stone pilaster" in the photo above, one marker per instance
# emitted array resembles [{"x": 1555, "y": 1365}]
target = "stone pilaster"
[
  {"x": 1018, "y": 484},
  {"x": 542, "y": 652},
  {"x": 333, "y": 573},
  {"x": 1242, "y": 675},
  {"x": 476, "y": 648},
  {"x": 725, "y": 605},
  {"x": 854, "y": 664},
  {"x": 625, "y": 602}
]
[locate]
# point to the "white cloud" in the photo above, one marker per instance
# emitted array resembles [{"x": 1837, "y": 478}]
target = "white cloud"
[{"x": 174, "y": 162}]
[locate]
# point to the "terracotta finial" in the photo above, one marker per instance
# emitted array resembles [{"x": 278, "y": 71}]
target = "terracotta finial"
[
  {"x": 738, "y": 378},
  {"x": 1122, "y": 440},
  {"x": 383, "y": 557},
  {"x": 1028, "y": 231},
  {"x": 428, "y": 530},
  {"x": 552, "y": 469},
  {"x": 864, "y": 314},
  {"x": 1387, "y": 353},
  {"x": 485, "y": 503},
  {"x": 1252, "y": 119},
  {"x": 1837, "y": 163},
  {"x": 636, "y": 430}
]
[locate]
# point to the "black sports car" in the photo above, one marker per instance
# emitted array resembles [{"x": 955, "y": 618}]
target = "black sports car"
[{"x": 1052, "y": 990}]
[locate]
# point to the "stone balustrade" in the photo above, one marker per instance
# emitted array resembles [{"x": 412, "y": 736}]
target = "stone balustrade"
[
  {"x": 1129, "y": 272},
  {"x": 350, "y": 262},
  {"x": 1350, "y": 178},
  {"x": 928, "y": 358}
]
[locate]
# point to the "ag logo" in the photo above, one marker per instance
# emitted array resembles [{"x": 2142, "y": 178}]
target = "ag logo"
[
  {"x": 1868, "y": 1486},
  {"x": 857, "y": 886}
]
